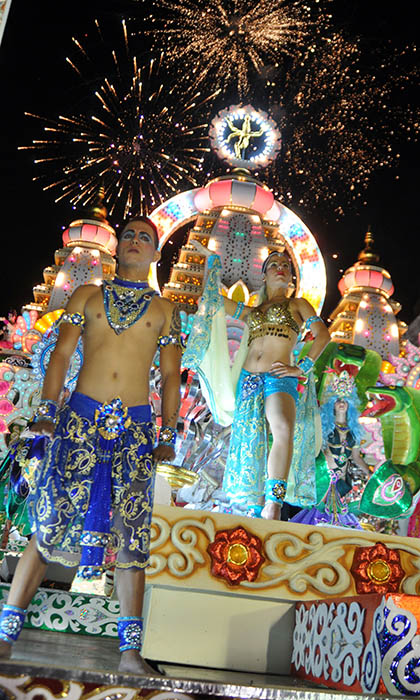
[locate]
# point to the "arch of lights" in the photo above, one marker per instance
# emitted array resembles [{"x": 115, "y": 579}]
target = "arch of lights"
[{"x": 180, "y": 210}]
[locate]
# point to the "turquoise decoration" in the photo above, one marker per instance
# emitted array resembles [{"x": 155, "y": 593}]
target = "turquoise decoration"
[
  {"x": 11, "y": 622},
  {"x": 275, "y": 490},
  {"x": 211, "y": 303},
  {"x": 312, "y": 319},
  {"x": 306, "y": 364},
  {"x": 186, "y": 322},
  {"x": 125, "y": 302},
  {"x": 244, "y": 476},
  {"x": 239, "y": 309},
  {"x": 130, "y": 632},
  {"x": 254, "y": 511}
]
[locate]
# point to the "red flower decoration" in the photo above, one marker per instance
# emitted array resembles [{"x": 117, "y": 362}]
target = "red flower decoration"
[
  {"x": 377, "y": 569},
  {"x": 236, "y": 555}
]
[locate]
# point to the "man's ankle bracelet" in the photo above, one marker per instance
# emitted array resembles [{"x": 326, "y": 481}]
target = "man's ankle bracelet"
[
  {"x": 130, "y": 633},
  {"x": 11, "y": 622}
]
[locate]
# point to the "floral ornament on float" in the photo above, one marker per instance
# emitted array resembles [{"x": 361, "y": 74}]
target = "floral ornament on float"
[
  {"x": 377, "y": 569},
  {"x": 236, "y": 555}
]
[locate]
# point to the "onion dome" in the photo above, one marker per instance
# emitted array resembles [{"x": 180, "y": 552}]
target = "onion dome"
[
  {"x": 94, "y": 231},
  {"x": 366, "y": 276},
  {"x": 238, "y": 189},
  {"x": 91, "y": 234}
]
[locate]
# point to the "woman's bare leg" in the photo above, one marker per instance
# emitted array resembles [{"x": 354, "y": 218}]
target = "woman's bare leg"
[
  {"x": 28, "y": 576},
  {"x": 280, "y": 410}
]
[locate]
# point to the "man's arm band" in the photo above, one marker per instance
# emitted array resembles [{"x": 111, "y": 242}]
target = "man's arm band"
[{"x": 75, "y": 319}]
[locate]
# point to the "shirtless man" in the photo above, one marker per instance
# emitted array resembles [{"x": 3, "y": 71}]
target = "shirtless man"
[{"x": 101, "y": 458}]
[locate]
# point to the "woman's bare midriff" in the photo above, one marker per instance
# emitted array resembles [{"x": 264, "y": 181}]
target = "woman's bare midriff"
[{"x": 262, "y": 352}]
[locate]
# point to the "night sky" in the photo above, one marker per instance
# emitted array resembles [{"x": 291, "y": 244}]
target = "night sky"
[{"x": 36, "y": 78}]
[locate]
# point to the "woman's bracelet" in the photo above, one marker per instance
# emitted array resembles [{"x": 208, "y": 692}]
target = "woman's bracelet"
[
  {"x": 306, "y": 364},
  {"x": 47, "y": 410},
  {"x": 167, "y": 435}
]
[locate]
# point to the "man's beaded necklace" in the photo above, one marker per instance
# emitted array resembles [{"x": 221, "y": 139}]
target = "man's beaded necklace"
[{"x": 125, "y": 302}]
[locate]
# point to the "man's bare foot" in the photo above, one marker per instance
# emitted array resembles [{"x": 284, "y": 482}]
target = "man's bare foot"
[
  {"x": 133, "y": 662},
  {"x": 5, "y": 649},
  {"x": 271, "y": 511}
]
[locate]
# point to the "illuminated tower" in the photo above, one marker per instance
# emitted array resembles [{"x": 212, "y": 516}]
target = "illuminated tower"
[
  {"x": 366, "y": 313},
  {"x": 239, "y": 219},
  {"x": 87, "y": 257},
  {"x": 234, "y": 222}
]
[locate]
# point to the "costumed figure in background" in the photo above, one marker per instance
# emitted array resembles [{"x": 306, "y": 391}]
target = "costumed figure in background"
[
  {"x": 94, "y": 487},
  {"x": 340, "y": 456},
  {"x": 7, "y": 326},
  {"x": 264, "y": 381}
]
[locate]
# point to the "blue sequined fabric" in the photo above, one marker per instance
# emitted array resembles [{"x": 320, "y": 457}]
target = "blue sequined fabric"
[
  {"x": 94, "y": 488},
  {"x": 12, "y": 619},
  {"x": 246, "y": 465},
  {"x": 130, "y": 632},
  {"x": 245, "y": 470}
]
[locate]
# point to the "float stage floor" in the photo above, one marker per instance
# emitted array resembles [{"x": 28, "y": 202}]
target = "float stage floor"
[{"x": 39, "y": 655}]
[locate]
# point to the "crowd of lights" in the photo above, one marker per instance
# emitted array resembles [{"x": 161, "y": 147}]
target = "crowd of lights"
[
  {"x": 144, "y": 139},
  {"x": 228, "y": 130}
]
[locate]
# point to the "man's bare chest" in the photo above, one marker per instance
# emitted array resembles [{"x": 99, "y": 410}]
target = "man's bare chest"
[{"x": 143, "y": 326}]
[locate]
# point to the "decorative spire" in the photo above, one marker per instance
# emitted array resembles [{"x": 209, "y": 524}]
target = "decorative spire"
[
  {"x": 98, "y": 210},
  {"x": 367, "y": 255}
]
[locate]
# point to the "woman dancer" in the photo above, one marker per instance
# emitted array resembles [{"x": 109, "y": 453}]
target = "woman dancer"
[{"x": 268, "y": 383}]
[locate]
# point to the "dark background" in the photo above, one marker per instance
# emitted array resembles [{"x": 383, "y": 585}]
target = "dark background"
[{"x": 36, "y": 78}]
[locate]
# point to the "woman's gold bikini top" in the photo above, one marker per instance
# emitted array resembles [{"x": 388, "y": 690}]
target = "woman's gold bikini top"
[{"x": 275, "y": 320}]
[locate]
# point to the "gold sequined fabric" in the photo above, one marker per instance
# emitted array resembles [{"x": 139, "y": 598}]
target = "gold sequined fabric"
[{"x": 276, "y": 320}]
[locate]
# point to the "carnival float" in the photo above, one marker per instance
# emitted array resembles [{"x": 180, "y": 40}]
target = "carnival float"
[{"x": 344, "y": 574}]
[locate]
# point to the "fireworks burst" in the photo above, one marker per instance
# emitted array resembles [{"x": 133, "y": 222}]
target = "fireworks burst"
[
  {"x": 342, "y": 119},
  {"x": 342, "y": 105},
  {"x": 228, "y": 41},
  {"x": 143, "y": 140}
]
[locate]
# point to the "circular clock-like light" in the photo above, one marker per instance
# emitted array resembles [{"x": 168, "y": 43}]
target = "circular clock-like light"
[{"x": 245, "y": 137}]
